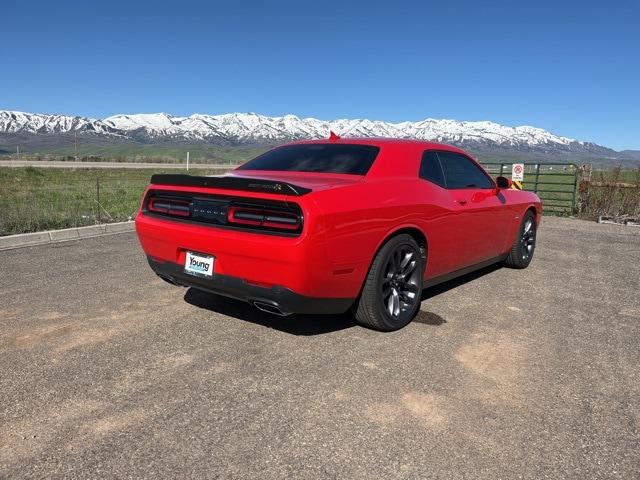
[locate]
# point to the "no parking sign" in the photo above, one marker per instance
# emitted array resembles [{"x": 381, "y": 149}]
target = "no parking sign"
[{"x": 517, "y": 175}]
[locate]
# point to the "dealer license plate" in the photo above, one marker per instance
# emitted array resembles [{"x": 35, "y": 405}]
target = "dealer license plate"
[{"x": 200, "y": 265}]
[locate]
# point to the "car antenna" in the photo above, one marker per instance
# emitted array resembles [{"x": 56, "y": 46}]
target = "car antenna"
[{"x": 333, "y": 137}]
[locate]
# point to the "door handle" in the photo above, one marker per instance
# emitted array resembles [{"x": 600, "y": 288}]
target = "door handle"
[{"x": 462, "y": 201}]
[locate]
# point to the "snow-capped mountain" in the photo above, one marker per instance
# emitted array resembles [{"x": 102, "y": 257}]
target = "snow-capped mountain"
[
  {"x": 14, "y": 122},
  {"x": 251, "y": 127},
  {"x": 243, "y": 128}
]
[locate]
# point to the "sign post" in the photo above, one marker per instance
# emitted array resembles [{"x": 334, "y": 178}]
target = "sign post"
[{"x": 517, "y": 175}]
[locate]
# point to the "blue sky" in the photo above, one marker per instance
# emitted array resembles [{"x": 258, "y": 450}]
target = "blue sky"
[{"x": 572, "y": 67}]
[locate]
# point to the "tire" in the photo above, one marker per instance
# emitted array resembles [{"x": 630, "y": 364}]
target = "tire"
[
  {"x": 392, "y": 290},
  {"x": 524, "y": 245}
]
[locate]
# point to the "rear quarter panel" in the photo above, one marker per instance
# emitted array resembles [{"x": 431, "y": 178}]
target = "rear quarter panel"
[{"x": 358, "y": 219}]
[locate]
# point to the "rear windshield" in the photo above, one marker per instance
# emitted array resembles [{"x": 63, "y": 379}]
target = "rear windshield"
[{"x": 316, "y": 157}]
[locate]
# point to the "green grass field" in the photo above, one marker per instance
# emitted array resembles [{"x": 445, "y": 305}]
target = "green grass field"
[{"x": 34, "y": 199}]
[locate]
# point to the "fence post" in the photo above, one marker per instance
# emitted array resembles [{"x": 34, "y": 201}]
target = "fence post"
[
  {"x": 574, "y": 203},
  {"x": 584, "y": 185},
  {"x": 535, "y": 186},
  {"x": 98, "y": 197}
]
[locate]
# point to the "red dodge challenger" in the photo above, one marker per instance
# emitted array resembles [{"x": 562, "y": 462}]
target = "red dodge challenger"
[{"x": 328, "y": 226}]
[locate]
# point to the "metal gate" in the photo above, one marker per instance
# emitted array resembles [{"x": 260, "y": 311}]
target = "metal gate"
[{"x": 555, "y": 183}]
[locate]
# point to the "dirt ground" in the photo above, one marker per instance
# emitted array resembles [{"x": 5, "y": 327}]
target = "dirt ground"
[{"x": 106, "y": 371}]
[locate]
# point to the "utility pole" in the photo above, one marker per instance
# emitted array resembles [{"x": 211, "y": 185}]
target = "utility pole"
[
  {"x": 18, "y": 151},
  {"x": 75, "y": 143},
  {"x": 187, "y": 161}
]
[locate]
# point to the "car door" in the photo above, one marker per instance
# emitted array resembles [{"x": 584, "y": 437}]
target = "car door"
[
  {"x": 477, "y": 211},
  {"x": 445, "y": 225}
]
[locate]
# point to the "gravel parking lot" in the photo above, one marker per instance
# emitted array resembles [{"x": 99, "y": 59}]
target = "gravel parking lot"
[{"x": 107, "y": 371}]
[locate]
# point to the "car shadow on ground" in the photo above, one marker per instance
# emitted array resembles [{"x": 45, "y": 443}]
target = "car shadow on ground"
[
  {"x": 294, "y": 324},
  {"x": 443, "y": 287},
  {"x": 317, "y": 324}
]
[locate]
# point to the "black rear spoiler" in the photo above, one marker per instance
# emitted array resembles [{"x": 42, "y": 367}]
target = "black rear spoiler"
[{"x": 230, "y": 183}]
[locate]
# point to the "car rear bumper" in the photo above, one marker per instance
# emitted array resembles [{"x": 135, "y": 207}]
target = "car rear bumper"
[
  {"x": 275, "y": 299},
  {"x": 299, "y": 263}
]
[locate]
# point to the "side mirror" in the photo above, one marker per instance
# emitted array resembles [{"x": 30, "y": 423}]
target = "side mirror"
[{"x": 503, "y": 182}]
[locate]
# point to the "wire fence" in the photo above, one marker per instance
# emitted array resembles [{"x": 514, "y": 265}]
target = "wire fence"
[
  {"x": 78, "y": 203},
  {"x": 34, "y": 199},
  {"x": 614, "y": 194}
]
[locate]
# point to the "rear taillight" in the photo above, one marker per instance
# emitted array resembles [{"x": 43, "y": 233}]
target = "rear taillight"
[
  {"x": 169, "y": 206},
  {"x": 284, "y": 218},
  {"x": 264, "y": 218}
]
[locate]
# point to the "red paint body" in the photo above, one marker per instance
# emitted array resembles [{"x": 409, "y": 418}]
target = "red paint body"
[{"x": 346, "y": 220}]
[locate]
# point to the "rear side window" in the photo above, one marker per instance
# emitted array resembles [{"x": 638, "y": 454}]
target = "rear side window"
[
  {"x": 316, "y": 157},
  {"x": 461, "y": 172},
  {"x": 430, "y": 168}
]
